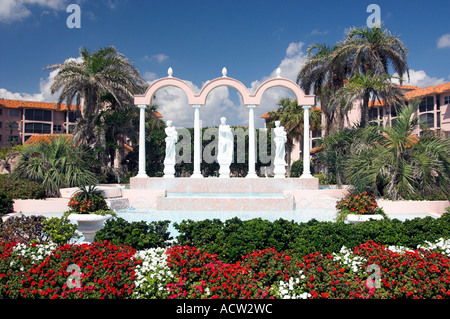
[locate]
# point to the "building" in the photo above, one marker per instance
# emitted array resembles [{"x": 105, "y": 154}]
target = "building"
[
  {"x": 19, "y": 120},
  {"x": 433, "y": 111}
]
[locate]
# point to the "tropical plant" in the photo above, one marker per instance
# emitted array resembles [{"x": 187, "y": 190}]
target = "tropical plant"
[
  {"x": 323, "y": 79},
  {"x": 398, "y": 163},
  {"x": 357, "y": 203},
  {"x": 371, "y": 51},
  {"x": 104, "y": 80},
  {"x": 56, "y": 163},
  {"x": 88, "y": 200},
  {"x": 364, "y": 88}
]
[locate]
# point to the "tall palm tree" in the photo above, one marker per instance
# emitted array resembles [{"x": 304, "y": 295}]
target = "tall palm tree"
[
  {"x": 371, "y": 51},
  {"x": 100, "y": 73},
  {"x": 291, "y": 117},
  {"x": 365, "y": 88},
  {"x": 398, "y": 161},
  {"x": 323, "y": 79}
]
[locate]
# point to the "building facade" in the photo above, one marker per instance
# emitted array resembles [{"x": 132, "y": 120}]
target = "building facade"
[{"x": 19, "y": 120}]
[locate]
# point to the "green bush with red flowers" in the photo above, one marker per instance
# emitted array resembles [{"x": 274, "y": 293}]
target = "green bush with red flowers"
[{"x": 360, "y": 203}]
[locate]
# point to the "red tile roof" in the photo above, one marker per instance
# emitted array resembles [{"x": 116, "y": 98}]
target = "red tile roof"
[
  {"x": 38, "y": 138},
  {"x": 18, "y": 104},
  {"x": 429, "y": 90}
]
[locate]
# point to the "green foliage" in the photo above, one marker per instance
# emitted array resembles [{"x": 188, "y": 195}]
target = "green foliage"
[
  {"x": 139, "y": 235},
  {"x": 6, "y": 204},
  {"x": 60, "y": 230},
  {"x": 21, "y": 188},
  {"x": 56, "y": 164},
  {"x": 88, "y": 200},
  {"x": 234, "y": 238},
  {"x": 360, "y": 203},
  {"x": 24, "y": 229}
]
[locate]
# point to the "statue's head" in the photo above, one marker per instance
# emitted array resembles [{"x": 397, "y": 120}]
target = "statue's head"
[
  {"x": 169, "y": 123},
  {"x": 277, "y": 123},
  {"x": 223, "y": 120}
]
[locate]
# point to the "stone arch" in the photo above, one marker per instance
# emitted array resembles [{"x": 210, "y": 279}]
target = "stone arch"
[
  {"x": 147, "y": 97},
  {"x": 224, "y": 81},
  {"x": 302, "y": 99}
]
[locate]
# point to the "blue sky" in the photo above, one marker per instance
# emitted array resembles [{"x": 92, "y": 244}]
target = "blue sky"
[{"x": 197, "y": 38}]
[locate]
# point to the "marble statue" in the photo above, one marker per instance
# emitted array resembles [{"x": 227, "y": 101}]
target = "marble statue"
[
  {"x": 280, "y": 140},
  {"x": 171, "y": 140},
  {"x": 225, "y": 148}
]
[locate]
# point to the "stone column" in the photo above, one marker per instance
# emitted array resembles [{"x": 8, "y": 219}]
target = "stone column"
[
  {"x": 197, "y": 143},
  {"x": 306, "y": 155},
  {"x": 251, "y": 143},
  {"x": 141, "y": 172}
]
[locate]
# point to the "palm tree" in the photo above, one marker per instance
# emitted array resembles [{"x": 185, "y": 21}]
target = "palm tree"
[
  {"x": 103, "y": 73},
  {"x": 290, "y": 116},
  {"x": 365, "y": 87},
  {"x": 371, "y": 51},
  {"x": 398, "y": 161},
  {"x": 56, "y": 163},
  {"x": 323, "y": 79}
]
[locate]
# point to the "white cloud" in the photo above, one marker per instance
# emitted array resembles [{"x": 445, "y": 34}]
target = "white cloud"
[
  {"x": 14, "y": 10},
  {"x": 173, "y": 105},
  {"x": 161, "y": 57},
  {"x": 318, "y": 32},
  {"x": 44, "y": 94},
  {"x": 420, "y": 78},
  {"x": 444, "y": 41}
]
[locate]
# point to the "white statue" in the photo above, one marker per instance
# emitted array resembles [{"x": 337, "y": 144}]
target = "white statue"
[
  {"x": 280, "y": 140},
  {"x": 225, "y": 148},
  {"x": 171, "y": 140}
]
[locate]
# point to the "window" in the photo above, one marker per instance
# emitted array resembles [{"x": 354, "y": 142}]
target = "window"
[
  {"x": 73, "y": 116},
  {"x": 438, "y": 119},
  {"x": 427, "y": 104},
  {"x": 14, "y": 113},
  {"x": 373, "y": 114},
  {"x": 446, "y": 100},
  {"x": 381, "y": 114},
  {"x": 38, "y": 115},
  {"x": 39, "y": 128},
  {"x": 14, "y": 126},
  {"x": 1, "y": 111},
  {"x": 427, "y": 119},
  {"x": 57, "y": 129},
  {"x": 13, "y": 138},
  {"x": 1, "y": 124},
  {"x": 0, "y": 138}
]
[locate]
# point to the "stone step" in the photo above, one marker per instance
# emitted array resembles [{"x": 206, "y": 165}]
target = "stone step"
[{"x": 282, "y": 203}]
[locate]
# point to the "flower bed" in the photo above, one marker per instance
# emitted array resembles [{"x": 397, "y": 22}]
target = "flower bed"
[{"x": 370, "y": 270}]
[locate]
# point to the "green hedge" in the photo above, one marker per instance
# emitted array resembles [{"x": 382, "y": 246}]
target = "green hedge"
[
  {"x": 233, "y": 238},
  {"x": 139, "y": 235},
  {"x": 21, "y": 189}
]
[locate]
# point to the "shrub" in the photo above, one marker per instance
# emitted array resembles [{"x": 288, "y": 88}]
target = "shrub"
[
  {"x": 6, "y": 204},
  {"x": 24, "y": 229},
  {"x": 60, "y": 230},
  {"x": 361, "y": 203},
  {"x": 139, "y": 235},
  {"x": 87, "y": 200},
  {"x": 233, "y": 238},
  {"x": 21, "y": 188}
]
